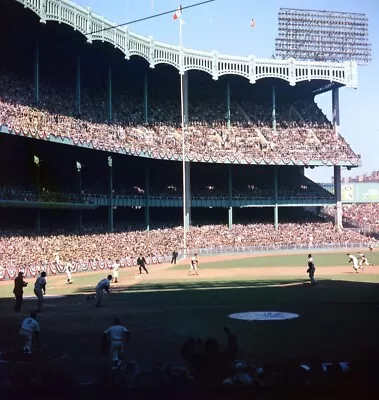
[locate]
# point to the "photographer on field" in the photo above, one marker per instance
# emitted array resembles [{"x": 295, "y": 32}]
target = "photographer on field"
[
  {"x": 18, "y": 291},
  {"x": 208, "y": 363}
]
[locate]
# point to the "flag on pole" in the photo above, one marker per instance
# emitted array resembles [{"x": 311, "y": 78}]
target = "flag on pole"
[
  {"x": 78, "y": 166},
  {"x": 36, "y": 160},
  {"x": 178, "y": 13}
]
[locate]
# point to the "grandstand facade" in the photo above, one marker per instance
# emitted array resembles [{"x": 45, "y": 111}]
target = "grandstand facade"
[{"x": 90, "y": 127}]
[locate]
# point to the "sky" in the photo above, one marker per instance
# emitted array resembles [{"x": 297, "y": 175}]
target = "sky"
[{"x": 224, "y": 25}]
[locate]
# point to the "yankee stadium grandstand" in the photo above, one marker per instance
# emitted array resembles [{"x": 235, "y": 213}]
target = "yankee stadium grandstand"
[{"x": 92, "y": 141}]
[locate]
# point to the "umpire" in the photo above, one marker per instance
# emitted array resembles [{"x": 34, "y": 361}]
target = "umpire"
[
  {"x": 311, "y": 269},
  {"x": 141, "y": 262},
  {"x": 18, "y": 290},
  {"x": 174, "y": 257}
]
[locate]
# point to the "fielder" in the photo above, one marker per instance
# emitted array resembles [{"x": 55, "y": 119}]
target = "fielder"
[
  {"x": 363, "y": 260},
  {"x": 354, "y": 261},
  {"x": 104, "y": 284},
  {"x": 114, "y": 338},
  {"x": 40, "y": 289},
  {"x": 69, "y": 269},
  {"x": 115, "y": 268},
  {"x": 29, "y": 328},
  {"x": 194, "y": 265}
]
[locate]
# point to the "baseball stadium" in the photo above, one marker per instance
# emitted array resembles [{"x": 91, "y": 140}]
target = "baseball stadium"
[{"x": 116, "y": 147}]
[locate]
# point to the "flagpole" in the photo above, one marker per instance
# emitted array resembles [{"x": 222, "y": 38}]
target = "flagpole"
[{"x": 183, "y": 144}]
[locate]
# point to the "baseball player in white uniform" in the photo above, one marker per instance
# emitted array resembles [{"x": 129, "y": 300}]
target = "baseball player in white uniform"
[
  {"x": 68, "y": 271},
  {"x": 104, "y": 284},
  {"x": 40, "y": 289},
  {"x": 194, "y": 264},
  {"x": 114, "y": 338},
  {"x": 363, "y": 260},
  {"x": 354, "y": 261},
  {"x": 29, "y": 328},
  {"x": 115, "y": 268}
]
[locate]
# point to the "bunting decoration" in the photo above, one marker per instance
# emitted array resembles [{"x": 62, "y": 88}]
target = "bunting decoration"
[{"x": 10, "y": 273}]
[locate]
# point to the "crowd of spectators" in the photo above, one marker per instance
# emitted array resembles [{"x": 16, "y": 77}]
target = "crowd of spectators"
[
  {"x": 362, "y": 215},
  {"x": 303, "y": 132},
  {"x": 94, "y": 248}
]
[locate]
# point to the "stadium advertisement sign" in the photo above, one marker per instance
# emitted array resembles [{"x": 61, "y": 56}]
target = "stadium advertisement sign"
[{"x": 360, "y": 192}]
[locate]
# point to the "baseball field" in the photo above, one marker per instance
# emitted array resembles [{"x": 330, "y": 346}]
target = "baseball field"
[{"x": 338, "y": 319}]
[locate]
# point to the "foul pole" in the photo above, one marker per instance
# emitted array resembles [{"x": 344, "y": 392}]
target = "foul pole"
[{"x": 183, "y": 142}]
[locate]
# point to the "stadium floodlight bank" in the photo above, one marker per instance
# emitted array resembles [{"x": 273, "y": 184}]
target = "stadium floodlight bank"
[{"x": 323, "y": 36}]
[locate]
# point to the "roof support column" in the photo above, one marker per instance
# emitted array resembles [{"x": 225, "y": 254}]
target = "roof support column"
[
  {"x": 337, "y": 195},
  {"x": 145, "y": 100},
  {"x": 110, "y": 194},
  {"x": 36, "y": 72},
  {"x": 273, "y": 95},
  {"x": 110, "y": 117},
  {"x": 78, "y": 86},
  {"x": 147, "y": 197},
  {"x": 336, "y": 110},
  {"x": 276, "y": 210},
  {"x": 228, "y": 102},
  {"x": 230, "y": 195}
]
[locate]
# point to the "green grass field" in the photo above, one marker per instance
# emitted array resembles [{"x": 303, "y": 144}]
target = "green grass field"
[{"x": 339, "y": 318}]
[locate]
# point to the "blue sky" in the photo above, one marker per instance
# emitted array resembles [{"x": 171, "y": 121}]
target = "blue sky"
[{"x": 224, "y": 25}]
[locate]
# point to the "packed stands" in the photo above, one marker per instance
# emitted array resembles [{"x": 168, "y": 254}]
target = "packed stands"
[
  {"x": 32, "y": 251},
  {"x": 303, "y": 132},
  {"x": 361, "y": 215}
]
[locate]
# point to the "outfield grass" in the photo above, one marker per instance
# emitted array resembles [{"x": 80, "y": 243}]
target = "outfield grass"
[
  {"x": 338, "y": 317},
  {"x": 285, "y": 260}
]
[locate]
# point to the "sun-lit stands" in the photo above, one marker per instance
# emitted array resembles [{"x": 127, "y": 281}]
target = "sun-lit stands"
[
  {"x": 161, "y": 242},
  {"x": 361, "y": 215},
  {"x": 303, "y": 133}
]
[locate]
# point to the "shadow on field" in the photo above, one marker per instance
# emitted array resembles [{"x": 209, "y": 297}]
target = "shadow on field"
[
  {"x": 338, "y": 320},
  {"x": 269, "y": 285}
]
